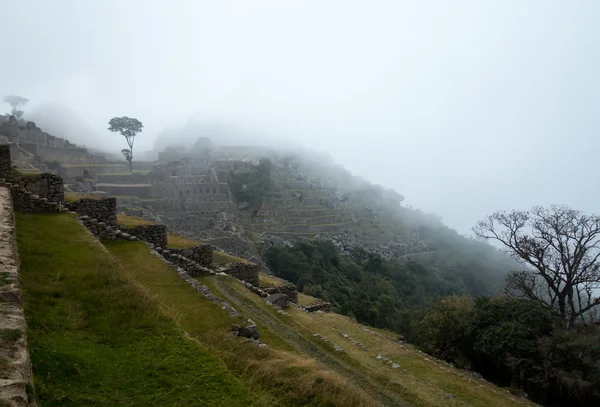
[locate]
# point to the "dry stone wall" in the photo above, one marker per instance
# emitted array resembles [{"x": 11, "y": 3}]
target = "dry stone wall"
[
  {"x": 189, "y": 266},
  {"x": 15, "y": 369},
  {"x": 155, "y": 234},
  {"x": 201, "y": 254},
  {"x": 25, "y": 201},
  {"x": 247, "y": 272},
  {"x": 288, "y": 289},
  {"x": 5, "y": 162},
  {"x": 45, "y": 185},
  {"x": 103, "y": 210}
]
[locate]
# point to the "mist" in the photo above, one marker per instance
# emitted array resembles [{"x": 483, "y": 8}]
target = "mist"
[{"x": 464, "y": 107}]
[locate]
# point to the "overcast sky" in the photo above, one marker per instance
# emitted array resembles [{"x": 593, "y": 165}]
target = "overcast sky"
[{"x": 465, "y": 107}]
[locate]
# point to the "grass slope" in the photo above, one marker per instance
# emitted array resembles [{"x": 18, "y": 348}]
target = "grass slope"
[
  {"x": 287, "y": 377},
  {"x": 419, "y": 380},
  {"x": 118, "y": 327},
  {"x": 95, "y": 340}
]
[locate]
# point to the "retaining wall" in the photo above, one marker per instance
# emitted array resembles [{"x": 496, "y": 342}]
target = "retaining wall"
[
  {"x": 15, "y": 372},
  {"x": 155, "y": 234},
  {"x": 247, "y": 272},
  {"x": 202, "y": 254},
  {"x": 104, "y": 210}
]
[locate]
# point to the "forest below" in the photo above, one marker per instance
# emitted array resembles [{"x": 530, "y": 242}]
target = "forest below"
[{"x": 452, "y": 307}]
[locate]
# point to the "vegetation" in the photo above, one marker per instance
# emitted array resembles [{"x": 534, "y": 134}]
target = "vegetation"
[
  {"x": 176, "y": 241},
  {"x": 128, "y": 127},
  {"x": 98, "y": 320},
  {"x": 16, "y": 103},
  {"x": 560, "y": 248},
  {"x": 528, "y": 340},
  {"x": 223, "y": 259},
  {"x": 94, "y": 336},
  {"x": 75, "y": 196},
  {"x": 277, "y": 375},
  {"x": 132, "y": 221},
  {"x": 251, "y": 188},
  {"x": 518, "y": 343},
  {"x": 382, "y": 293}
]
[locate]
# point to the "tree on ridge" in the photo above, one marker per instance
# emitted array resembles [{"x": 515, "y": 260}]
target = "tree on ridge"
[
  {"x": 129, "y": 127},
  {"x": 16, "y": 102}
]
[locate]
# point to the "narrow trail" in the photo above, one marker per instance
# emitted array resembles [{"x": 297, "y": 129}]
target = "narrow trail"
[{"x": 288, "y": 334}]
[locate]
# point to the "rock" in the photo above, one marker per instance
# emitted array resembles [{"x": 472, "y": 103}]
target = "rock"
[
  {"x": 281, "y": 300},
  {"x": 248, "y": 331}
]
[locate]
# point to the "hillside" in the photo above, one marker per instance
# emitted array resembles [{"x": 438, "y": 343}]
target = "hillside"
[{"x": 112, "y": 324}]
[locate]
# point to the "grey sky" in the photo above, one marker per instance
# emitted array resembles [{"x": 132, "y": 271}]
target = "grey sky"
[{"x": 464, "y": 107}]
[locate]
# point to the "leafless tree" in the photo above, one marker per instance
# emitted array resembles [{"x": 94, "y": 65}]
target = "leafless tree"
[{"x": 560, "y": 249}]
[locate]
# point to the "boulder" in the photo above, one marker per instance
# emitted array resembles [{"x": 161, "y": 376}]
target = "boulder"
[
  {"x": 281, "y": 300},
  {"x": 248, "y": 331}
]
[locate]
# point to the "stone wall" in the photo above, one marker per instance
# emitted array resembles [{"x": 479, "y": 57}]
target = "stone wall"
[
  {"x": 5, "y": 163},
  {"x": 103, "y": 210},
  {"x": 62, "y": 154},
  {"x": 247, "y": 272},
  {"x": 45, "y": 185},
  {"x": 26, "y": 201},
  {"x": 188, "y": 265},
  {"x": 15, "y": 371},
  {"x": 155, "y": 234},
  {"x": 288, "y": 289},
  {"x": 202, "y": 254}
]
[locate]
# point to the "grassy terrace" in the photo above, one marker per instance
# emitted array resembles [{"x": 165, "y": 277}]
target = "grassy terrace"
[
  {"x": 98, "y": 339},
  {"x": 121, "y": 328},
  {"x": 420, "y": 380},
  {"x": 132, "y": 221}
]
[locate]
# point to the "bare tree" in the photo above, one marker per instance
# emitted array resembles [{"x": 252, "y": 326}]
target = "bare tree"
[{"x": 560, "y": 247}]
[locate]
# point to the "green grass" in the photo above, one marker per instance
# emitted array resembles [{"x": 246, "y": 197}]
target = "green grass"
[
  {"x": 285, "y": 378},
  {"x": 132, "y": 221},
  {"x": 75, "y": 196},
  {"x": 175, "y": 241},
  {"x": 97, "y": 340},
  {"x": 223, "y": 259}
]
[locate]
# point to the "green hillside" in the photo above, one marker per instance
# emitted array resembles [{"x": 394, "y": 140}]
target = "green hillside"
[{"x": 116, "y": 326}]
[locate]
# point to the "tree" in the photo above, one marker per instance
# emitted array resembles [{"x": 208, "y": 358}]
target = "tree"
[
  {"x": 560, "y": 248},
  {"x": 127, "y": 153},
  {"x": 16, "y": 102},
  {"x": 128, "y": 127}
]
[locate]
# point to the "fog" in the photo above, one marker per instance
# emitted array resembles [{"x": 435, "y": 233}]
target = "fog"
[{"x": 464, "y": 107}]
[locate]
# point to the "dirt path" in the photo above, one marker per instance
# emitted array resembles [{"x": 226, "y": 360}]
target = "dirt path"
[{"x": 289, "y": 334}]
